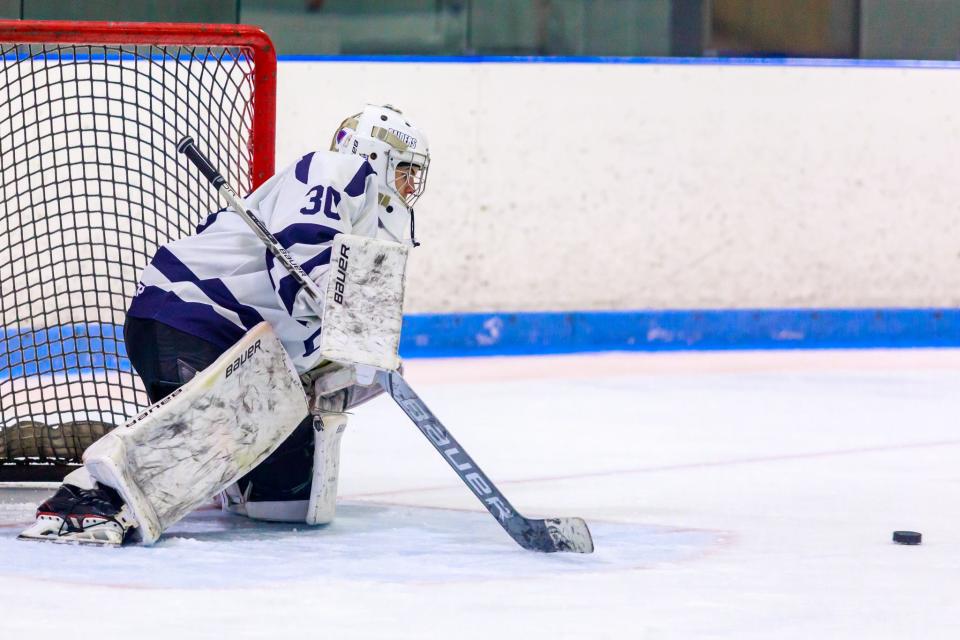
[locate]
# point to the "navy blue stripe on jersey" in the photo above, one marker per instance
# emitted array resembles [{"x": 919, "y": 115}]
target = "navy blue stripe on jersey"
[
  {"x": 303, "y": 233},
  {"x": 209, "y": 221},
  {"x": 303, "y": 168},
  {"x": 269, "y": 261},
  {"x": 299, "y": 233},
  {"x": 358, "y": 183},
  {"x": 289, "y": 287},
  {"x": 175, "y": 271},
  {"x": 195, "y": 318}
]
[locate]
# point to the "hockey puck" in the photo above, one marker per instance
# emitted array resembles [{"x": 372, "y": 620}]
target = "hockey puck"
[{"x": 906, "y": 537}]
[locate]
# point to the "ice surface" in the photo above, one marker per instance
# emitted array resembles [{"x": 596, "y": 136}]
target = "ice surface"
[
  {"x": 367, "y": 542},
  {"x": 732, "y": 495}
]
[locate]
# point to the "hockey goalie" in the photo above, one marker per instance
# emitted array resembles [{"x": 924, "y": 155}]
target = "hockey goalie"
[{"x": 246, "y": 404}]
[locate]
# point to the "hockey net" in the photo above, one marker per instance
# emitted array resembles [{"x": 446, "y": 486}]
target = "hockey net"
[{"x": 90, "y": 186}]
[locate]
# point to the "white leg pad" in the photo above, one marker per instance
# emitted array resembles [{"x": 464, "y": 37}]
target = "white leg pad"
[
  {"x": 195, "y": 442},
  {"x": 80, "y": 477},
  {"x": 326, "y": 468}
]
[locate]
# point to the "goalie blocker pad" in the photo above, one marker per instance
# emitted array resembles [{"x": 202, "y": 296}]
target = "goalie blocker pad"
[
  {"x": 204, "y": 436},
  {"x": 363, "y": 305}
]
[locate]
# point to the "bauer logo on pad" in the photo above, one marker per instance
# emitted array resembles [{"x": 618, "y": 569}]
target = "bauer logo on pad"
[
  {"x": 363, "y": 304},
  {"x": 339, "y": 284},
  {"x": 242, "y": 359}
]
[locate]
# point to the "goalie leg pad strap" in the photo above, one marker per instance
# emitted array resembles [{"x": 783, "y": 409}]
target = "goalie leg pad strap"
[
  {"x": 326, "y": 467},
  {"x": 184, "y": 449},
  {"x": 320, "y": 508}
]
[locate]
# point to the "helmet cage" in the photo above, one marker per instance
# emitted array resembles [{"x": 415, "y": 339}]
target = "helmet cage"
[
  {"x": 387, "y": 152},
  {"x": 398, "y": 163}
]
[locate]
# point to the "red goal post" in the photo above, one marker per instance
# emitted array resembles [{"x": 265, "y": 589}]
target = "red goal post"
[
  {"x": 90, "y": 186},
  {"x": 252, "y": 40}
]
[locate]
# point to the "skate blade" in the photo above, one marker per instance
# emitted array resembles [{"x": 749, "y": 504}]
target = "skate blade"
[
  {"x": 86, "y": 542},
  {"x": 49, "y": 529}
]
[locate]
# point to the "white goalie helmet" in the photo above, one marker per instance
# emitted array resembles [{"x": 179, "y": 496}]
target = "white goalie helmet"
[{"x": 396, "y": 149}]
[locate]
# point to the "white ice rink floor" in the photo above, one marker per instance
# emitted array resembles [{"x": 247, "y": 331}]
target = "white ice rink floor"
[{"x": 731, "y": 495}]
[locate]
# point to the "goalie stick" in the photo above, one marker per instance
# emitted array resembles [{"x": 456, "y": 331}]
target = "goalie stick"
[
  {"x": 552, "y": 534},
  {"x": 549, "y": 535}
]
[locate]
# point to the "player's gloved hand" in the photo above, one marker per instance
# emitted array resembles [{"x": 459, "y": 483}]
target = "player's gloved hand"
[{"x": 322, "y": 401}]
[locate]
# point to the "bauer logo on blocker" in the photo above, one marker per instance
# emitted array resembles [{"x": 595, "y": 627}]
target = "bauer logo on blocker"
[{"x": 340, "y": 283}]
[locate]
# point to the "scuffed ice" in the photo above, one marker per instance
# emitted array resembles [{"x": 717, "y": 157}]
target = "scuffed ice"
[
  {"x": 366, "y": 542},
  {"x": 747, "y": 496}
]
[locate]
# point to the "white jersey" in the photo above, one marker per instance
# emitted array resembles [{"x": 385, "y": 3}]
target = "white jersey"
[{"x": 220, "y": 282}]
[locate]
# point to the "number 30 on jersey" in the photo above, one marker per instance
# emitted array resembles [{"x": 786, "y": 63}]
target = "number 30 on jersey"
[{"x": 317, "y": 201}]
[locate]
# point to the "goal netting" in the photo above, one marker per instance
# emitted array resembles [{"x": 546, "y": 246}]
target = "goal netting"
[{"x": 90, "y": 186}]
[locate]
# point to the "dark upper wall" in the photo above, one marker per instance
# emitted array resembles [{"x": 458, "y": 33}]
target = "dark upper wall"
[
  {"x": 819, "y": 28},
  {"x": 928, "y": 30},
  {"x": 132, "y": 10}
]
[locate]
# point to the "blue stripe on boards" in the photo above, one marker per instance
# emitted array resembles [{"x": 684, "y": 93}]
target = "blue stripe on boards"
[
  {"x": 176, "y": 271},
  {"x": 493, "y": 59},
  {"x": 624, "y": 60},
  {"x": 81, "y": 348},
  {"x": 302, "y": 171},
  {"x": 358, "y": 182},
  {"x": 65, "y": 349},
  {"x": 304, "y": 233},
  {"x": 289, "y": 288},
  {"x": 477, "y": 334}
]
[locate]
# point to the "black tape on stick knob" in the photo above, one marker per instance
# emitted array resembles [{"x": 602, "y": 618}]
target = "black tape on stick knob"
[{"x": 189, "y": 149}]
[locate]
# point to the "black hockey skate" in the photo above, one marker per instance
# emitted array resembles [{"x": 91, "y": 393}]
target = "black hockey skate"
[{"x": 82, "y": 516}]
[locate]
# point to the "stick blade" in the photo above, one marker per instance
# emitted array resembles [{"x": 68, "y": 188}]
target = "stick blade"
[
  {"x": 551, "y": 535},
  {"x": 570, "y": 534}
]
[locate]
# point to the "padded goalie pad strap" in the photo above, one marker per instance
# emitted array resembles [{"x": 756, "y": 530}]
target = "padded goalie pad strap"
[
  {"x": 205, "y": 435},
  {"x": 326, "y": 468}
]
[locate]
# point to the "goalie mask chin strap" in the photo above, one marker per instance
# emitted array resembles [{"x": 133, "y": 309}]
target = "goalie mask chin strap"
[
  {"x": 413, "y": 235},
  {"x": 384, "y": 201}
]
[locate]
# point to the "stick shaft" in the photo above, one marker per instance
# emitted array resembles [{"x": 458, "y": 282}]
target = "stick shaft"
[
  {"x": 441, "y": 439},
  {"x": 555, "y": 534},
  {"x": 314, "y": 294}
]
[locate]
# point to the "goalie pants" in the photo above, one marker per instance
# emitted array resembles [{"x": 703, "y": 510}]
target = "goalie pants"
[{"x": 166, "y": 358}]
